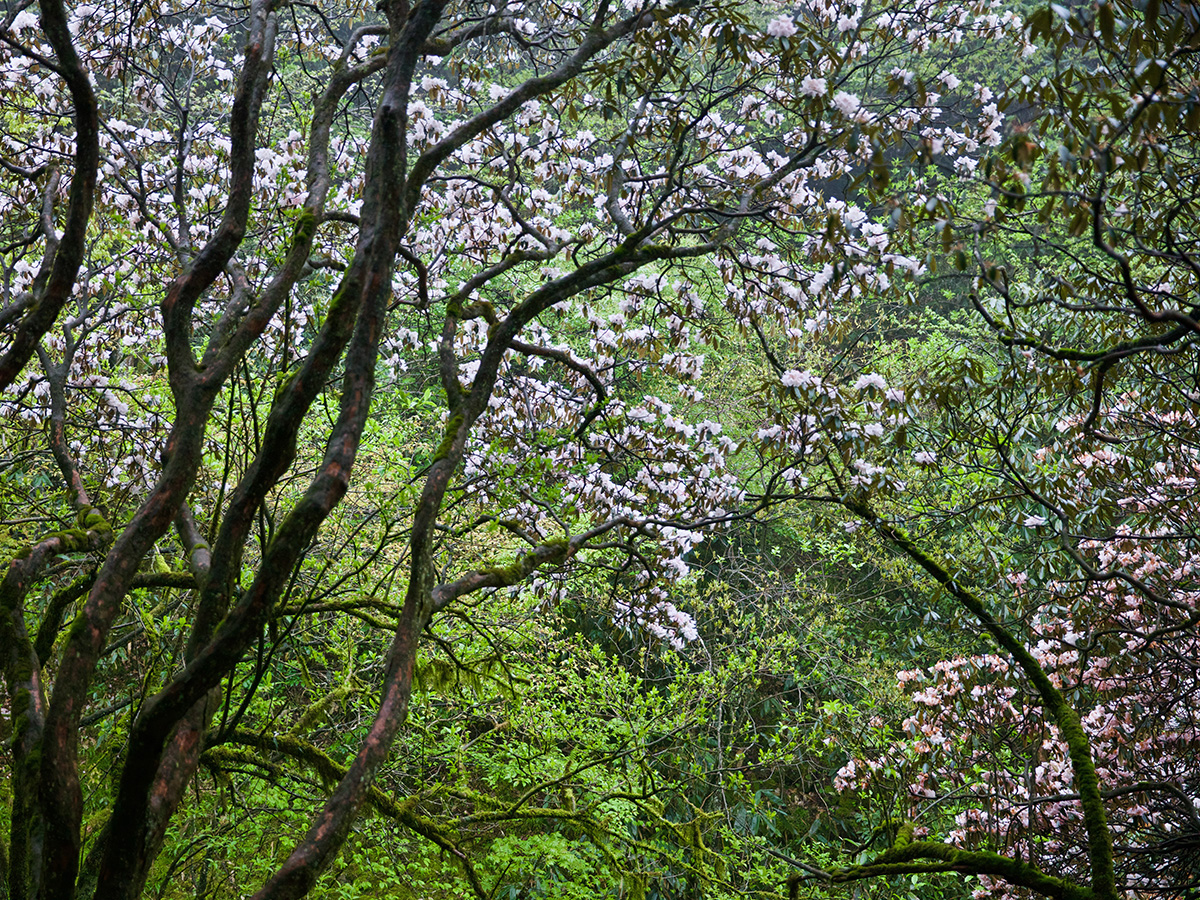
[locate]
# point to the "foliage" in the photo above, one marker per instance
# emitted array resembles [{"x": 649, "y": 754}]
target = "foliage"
[{"x": 625, "y": 320}]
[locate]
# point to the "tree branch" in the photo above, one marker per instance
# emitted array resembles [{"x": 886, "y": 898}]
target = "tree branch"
[{"x": 1100, "y": 850}]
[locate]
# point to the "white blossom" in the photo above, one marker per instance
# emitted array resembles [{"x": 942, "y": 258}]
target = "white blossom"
[
  {"x": 847, "y": 104},
  {"x": 784, "y": 26},
  {"x": 871, "y": 379},
  {"x": 794, "y": 378},
  {"x": 813, "y": 87}
]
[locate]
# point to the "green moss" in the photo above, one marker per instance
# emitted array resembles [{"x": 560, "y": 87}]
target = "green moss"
[
  {"x": 77, "y": 626},
  {"x": 306, "y": 227},
  {"x": 509, "y": 574},
  {"x": 904, "y": 836},
  {"x": 452, "y": 427},
  {"x": 316, "y": 712},
  {"x": 73, "y": 541},
  {"x": 336, "y": 303},
  {"x": 89, "y": 519},
  {"x": 282, "y": 387},
  {"x": 553, "y": 551},
  {"x": 480, "y": 308}
]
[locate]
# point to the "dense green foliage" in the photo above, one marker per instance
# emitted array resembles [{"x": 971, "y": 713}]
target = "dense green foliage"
[{"x": 771, "y": 478}]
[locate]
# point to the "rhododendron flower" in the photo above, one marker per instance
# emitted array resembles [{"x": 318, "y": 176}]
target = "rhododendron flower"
[
  {"x": 847, "y": 104},
  {"x": 783, "y": 26},
  {"x": 794, "y": 378},
  {"x": 870, "y": 380},
  {"x": 25, "y": 19},
  {"x": 949, "y": 80},
  {"x": 813, "y": 87}
]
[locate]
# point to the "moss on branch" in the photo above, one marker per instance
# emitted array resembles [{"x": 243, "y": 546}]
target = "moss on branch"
[
  {"x": 453, "y": 426},
  {"x": 552, "y": 551},
  {"x": 306, "y": 227},
  {"x": 1066, "y": 717},
  {"x": 909, "y": 857},
  {"x": 330, "y": 772}
]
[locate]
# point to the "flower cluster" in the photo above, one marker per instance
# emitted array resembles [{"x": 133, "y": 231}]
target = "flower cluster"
[{"x": 1123, "y": 650}]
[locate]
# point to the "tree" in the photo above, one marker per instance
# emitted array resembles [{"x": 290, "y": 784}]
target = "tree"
[
  {"x": 223, "y": 262},
  {"x": 1056, "y": 762},
  {"x": 530, "y": 267}
]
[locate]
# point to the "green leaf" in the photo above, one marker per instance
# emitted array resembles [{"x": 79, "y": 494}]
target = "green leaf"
[{"x": 1107, "y": 24}]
